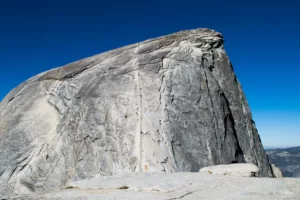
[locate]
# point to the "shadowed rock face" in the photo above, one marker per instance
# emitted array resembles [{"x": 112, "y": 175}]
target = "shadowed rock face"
[{"x": 164, "y": 105}]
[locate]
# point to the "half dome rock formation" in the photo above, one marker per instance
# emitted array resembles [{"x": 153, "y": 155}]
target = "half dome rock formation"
[{"x": 169, "y": 104}]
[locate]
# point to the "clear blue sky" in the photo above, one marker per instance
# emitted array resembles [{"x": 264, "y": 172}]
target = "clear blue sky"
[{"x": 262, "y": 39}]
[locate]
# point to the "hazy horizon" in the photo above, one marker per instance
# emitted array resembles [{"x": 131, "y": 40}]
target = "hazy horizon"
[{"x": 261, "y": 39}]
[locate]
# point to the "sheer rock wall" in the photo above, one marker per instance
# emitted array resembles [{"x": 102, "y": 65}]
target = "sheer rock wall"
[{"x": 169, "y": 104}]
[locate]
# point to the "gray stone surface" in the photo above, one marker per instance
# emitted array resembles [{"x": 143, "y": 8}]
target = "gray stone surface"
[
  {"x": 237, "y": 169},
  {"x": 171, "y": 186},
  {"x": 276, "y": 171},
  {"x": 169, "y": 104}
]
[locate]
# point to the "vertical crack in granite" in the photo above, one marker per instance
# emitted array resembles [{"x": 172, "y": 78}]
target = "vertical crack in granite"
[
  {"x": 139, "y": 133},
  {"x": 171, "y": 131},
  {"x": 164, "y": 112},
  {"x": 230, "y": 124},
  {"x": 214, "y": 118}
]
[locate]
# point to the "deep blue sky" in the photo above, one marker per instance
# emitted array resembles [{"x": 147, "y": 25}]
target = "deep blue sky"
[{"x": 262, "y": 39}]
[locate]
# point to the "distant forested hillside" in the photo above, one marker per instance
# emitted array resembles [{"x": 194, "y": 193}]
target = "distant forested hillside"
[{"x": 288, "y": 160}]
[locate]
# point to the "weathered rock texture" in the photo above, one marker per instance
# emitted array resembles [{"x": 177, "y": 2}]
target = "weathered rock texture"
[
  {"x": 237, "y": 169},
  {"x": 183, "y": 186},
  {"x": 164, "y": 105},
  {"x": 276, "y": 171}
]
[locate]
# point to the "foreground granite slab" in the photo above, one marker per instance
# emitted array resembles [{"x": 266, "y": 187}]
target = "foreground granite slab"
[
  {"x": 163, "y": 186},
  {"x": 170, "y": 104},
  {"x": 241, "y": 169}
]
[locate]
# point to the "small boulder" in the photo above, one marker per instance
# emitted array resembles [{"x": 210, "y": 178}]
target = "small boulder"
[
  {"x": 276, "y": 171},
  {"x": 241, "y": 169}
]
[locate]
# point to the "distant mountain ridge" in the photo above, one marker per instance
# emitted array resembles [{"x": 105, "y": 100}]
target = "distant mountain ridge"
[{"x": 287, "y": 159}]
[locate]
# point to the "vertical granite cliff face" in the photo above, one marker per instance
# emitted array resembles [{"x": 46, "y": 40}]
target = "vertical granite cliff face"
[{"x": 169, "y": 104}]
